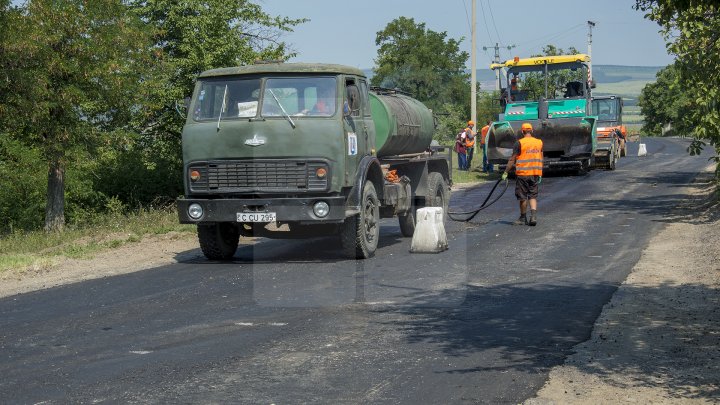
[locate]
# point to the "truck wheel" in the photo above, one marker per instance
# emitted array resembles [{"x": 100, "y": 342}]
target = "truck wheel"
[
  {"x": 361, "y": 232},
  {"x": 407, "y": 223},
  {"x": 218, "y": 241},
  {"x": 437, "y": 195},
  {"x": 612, "y": 158}
]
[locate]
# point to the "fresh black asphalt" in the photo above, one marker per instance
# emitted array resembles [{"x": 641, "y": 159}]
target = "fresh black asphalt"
[{"x": 291, "y": 322}]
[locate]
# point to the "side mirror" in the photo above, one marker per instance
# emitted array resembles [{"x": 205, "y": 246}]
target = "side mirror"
[
  {"x": 593, "y": 84},
  {"x": 182, "y": 107}
]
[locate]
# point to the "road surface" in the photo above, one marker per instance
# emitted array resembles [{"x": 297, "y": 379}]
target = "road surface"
[{"x": 294, "y": 322}]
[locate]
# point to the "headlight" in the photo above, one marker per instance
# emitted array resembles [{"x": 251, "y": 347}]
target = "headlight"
[
  {"x": 321, "y": 209},
  {"x": 195, "y": 211}
]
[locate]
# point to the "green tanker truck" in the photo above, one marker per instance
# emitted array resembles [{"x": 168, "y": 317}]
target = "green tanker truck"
[
  {"x": 560, "y": 113},
  {"x": 294, "y": 150}
]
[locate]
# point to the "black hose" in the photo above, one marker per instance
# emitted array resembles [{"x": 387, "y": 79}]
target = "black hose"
[{"x": 484, "y": 205}]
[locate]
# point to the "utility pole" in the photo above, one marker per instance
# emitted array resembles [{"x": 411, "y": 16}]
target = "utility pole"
[
  {"x": 591, "y": 24},
  {"x": 497, "y": 60},
  {"x": 473, "y": 73}
]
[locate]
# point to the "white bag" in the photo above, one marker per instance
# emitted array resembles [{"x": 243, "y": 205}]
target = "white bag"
[
  {"x": 642, "y": 151},
  {"x": 429, "y": 236}
]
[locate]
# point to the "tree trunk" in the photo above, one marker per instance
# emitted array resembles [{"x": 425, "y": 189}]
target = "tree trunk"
[{"x": 55, "y": 208}]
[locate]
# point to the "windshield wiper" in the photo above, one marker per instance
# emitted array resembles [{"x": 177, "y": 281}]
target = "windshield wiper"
[
  {"x": 222, "y": 108},
  {"x": 287, "y": 116}
]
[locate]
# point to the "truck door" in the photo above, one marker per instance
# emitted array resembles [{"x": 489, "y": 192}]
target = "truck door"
[{"x": 356, "y": 113}]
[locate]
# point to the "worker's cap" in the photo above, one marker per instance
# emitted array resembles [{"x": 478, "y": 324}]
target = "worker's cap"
[
  {"x": 526, "y": 126},
  {"x": 471, "y": 123}
]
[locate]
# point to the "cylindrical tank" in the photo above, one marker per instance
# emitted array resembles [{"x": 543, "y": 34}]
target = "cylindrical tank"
[{"x": 403, "y": 125}]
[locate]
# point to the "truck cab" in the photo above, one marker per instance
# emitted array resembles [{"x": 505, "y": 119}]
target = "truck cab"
[
  {"x": 288, "y": 150},
  {"x": 609, "y": 112}
]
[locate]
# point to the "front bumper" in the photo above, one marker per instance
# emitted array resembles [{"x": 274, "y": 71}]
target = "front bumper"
[{"x": 286, "y": 209}]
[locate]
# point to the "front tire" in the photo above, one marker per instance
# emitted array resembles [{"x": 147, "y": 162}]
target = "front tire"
[
  {"x": 361, "y": 232},
  {"x": 218, "y": 241}
]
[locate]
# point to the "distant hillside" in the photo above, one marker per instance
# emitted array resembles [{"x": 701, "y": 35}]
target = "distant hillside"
[{"x": 626, "y": 81}]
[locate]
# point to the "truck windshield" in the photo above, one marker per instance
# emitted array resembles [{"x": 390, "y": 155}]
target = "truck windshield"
[
  {"x": 238, "y": 97},
  {"x": 300, "y": 96},
  {"x": 605, "y": 109}
]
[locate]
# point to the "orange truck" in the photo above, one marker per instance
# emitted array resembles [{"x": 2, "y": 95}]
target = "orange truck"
[{"x": 608, "y": 109}]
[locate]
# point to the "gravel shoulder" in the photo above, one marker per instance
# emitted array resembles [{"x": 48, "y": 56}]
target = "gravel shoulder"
[
  {"x": 656, "y": 341},
  {"x": 151, "y": 251}
]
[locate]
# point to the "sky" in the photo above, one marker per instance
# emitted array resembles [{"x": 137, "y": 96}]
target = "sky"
[{"x": 344, "y": 31}]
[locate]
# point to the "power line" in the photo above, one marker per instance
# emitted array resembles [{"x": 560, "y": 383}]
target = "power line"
[
  {"x": 549, "y": 36},
  {"x": 485, "y": 21},
  {"x": 493, "y": 20},
  {"x": 467, "y": 17}
]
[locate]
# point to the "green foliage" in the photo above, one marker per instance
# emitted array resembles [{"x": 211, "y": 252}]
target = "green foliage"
[
  {"x": 72, "y": 71},
  {"x": 139, "y": 177},
  {"x": 196, "y": 35},
  {"x": 20, "y": 250},
  {"x": 423, "y": 62},
  {"x": 23, "y": 183},
  {"x": 666, "y": 101},
  {"x": 88, "y": 90},
  {"x": 692, "y": 29},
  {"x": 488, "y": 108}
]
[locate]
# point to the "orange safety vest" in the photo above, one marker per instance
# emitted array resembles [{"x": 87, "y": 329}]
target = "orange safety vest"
[
  {"x": 470, "y": 142},
  {"x": 530, "y": 160},
  {"x": 483, "y": 134}
]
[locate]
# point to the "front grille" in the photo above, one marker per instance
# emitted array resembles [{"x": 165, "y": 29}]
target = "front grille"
[{"x": 258, "y": 176}]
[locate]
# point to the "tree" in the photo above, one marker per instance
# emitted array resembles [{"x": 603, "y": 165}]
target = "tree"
[
  {"x": 196, "y": 35},
  {"x": 692, "y": 29},
  {"x": 666, "y": 101},
  {"x": 423, "y": 62},
  {"x": 71, "y": 74}
]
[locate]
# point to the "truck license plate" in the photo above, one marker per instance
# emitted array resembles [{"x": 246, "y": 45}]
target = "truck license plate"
[{"x": 256, "y": 217}]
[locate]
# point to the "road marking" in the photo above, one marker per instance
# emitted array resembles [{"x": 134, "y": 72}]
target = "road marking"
[
  {"x": 597, "y": 257},
  {"x": 624, "y": 225},
  {"x": 548, "y": 270},
  {"x": 260, "y": 324},
  {"x": 617, "y": 233},
  {"x": 140, "y": 351},
  {"x": 609, "y": 244}
]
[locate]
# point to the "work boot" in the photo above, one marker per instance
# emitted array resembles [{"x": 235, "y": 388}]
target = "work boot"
[
  {"x": 521, "y": 221},
  {"x": 533, "y": 218}
]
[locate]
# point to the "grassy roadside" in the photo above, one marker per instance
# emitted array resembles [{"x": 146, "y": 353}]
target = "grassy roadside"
[
  {"x": 474, "y": 175},
  {"x": 21, "y": 251},
  {"x": 24, "y": 250}
]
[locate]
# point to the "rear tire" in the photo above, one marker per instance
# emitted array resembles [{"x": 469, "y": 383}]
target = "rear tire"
[
  {"x": 407, "y": 223},
  {"x": 218, "y": 241},
  {"x": 437, "y": 195},
  {"x": 360, "y": 233}
]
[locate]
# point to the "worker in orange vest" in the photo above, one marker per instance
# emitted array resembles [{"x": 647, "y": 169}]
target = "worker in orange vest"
[
  {"x": 483, "y": 138},
  {"x": 470, "y": 142},
  {"x": 527, "y": 158}
]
